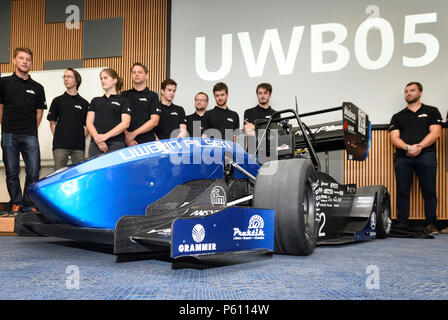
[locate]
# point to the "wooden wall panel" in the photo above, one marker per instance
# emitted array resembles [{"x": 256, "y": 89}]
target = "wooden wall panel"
[
  {"x": 144, "y": 36},
  {"x": 47, "y": 41},
  {"x": 378, "y": 169}
]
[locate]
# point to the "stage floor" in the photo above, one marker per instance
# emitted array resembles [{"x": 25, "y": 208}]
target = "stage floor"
[{"x": 51, "y": 268}]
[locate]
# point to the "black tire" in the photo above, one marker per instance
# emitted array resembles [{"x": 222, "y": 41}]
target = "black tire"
[
  {"x": 289, "y": 191},
  {"x": 383, "y": 212}
]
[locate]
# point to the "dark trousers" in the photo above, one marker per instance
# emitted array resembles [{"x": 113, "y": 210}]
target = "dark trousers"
[
  {"x": 425, "y": 166},
  {"x": 13, "y": 145}
]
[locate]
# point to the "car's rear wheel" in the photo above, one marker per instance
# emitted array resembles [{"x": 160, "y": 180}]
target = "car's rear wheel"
[
  {"x": 287, "y": 186},
  {"x": 383, "y": 211}
]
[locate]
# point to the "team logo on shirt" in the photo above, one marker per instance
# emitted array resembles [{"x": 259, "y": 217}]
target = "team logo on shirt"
[
  {"x": 423, "y": 115},
  {"x": 174, "y": 114},
  {"x": 78, "y": 107},
  {"x": 158, "y": 110},
  {"x": 116, "y": 103},
  {"x": 230, "y": 119},
  {"x": 268, "y": 117},
  {"x": 30, "y": 91},
  {"x": 143, "y": 99}
]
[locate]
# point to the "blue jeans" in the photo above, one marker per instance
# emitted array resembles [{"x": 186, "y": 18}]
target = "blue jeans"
[
  {"x": 425, "y": 166},
  {"x": 13, "y": 145}
]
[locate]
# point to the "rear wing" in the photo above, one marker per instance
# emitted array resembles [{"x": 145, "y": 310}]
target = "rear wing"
[{"x": 352, "y": 133}]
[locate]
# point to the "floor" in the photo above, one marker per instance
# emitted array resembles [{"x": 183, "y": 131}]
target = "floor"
[{"x": 51, "y": 268}]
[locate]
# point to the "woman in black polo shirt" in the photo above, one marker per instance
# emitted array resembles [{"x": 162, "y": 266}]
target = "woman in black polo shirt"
[{"x": 108, "y": 116}]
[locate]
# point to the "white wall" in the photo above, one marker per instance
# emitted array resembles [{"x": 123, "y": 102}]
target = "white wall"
[{"x": 323, "y": 51}]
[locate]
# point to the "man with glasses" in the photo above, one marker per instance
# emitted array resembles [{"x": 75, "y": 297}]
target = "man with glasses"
[
  {"x": 194, "y": 121},
  {"x": 67, "y": 118}
]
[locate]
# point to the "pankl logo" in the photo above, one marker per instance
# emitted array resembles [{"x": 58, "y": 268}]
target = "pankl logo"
[
  {"x": 254, "y": 231},
  {"x": 198, "y": 235}
]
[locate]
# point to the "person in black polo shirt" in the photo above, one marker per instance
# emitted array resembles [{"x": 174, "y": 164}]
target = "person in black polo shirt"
[
  {"x": 221, "y": 118},
  {"x": 414, "y": 131},
  {"x": 67, "y": 118},
  {"x": 22, "y": 101},
  {"x": 194, "y": 121},
  {"x": 173, "y": 122},
  {"x": 262, "y": 111},
  {"x": 145, "y": 108},
  {"x": 108, "y": 116}
]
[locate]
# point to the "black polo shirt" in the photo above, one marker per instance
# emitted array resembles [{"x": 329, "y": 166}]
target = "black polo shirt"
[
  {"x": 190, "y": 124},
  {"x": 256, "y": 113},
  {"x": 144, "y": 104},
  {"x": 414, "y": 127},
  {"x": 221, "y": 119},
  {"x": 21, "y": 98},
  {"x": 69, "y": 112},
  {"x": 171, "y": 118},
  {"x": 108, "y": 113}
]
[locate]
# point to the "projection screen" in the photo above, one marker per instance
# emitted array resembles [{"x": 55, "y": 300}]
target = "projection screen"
[{"x": 324, "y": 52}]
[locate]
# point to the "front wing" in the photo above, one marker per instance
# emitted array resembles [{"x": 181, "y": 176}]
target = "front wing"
[{"x": 232, "y": 229}]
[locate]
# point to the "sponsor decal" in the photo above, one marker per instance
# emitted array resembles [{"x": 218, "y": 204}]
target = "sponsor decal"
[
  {"x": 283, "y": 147},
  {"x": 350, "y": 128},
  {"x": 198, "y": 235},
  {"x": 159, "y": 147},
  {"x": 349, "y": 114},
  {"x": 364, "y": 202},
  {"x": 329, "y": 128},
  {"x": 165, "y": 232},
  {"x": 254, "y": 230},
  {"x": 362, "y": 122},
  {"x": 218, "y": 196},
  {"x": 30, "y": 91},
  {"x": 202, "y": 213},
  {"x": 373, "y": 221},
  {"x": 334, "y": 185}
]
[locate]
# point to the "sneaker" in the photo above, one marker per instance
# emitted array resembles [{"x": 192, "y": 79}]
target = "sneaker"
[
  {"x": 15, "y": 210},
  {"x": 432, "y": 229},
  {"x": 444, "y": 231}
]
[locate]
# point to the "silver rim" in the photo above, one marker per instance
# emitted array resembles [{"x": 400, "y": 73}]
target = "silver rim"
[{"x": 387, "y": 221}]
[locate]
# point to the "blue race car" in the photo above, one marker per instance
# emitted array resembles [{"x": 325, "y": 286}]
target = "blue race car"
[{"x": 199, "y": 197}]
